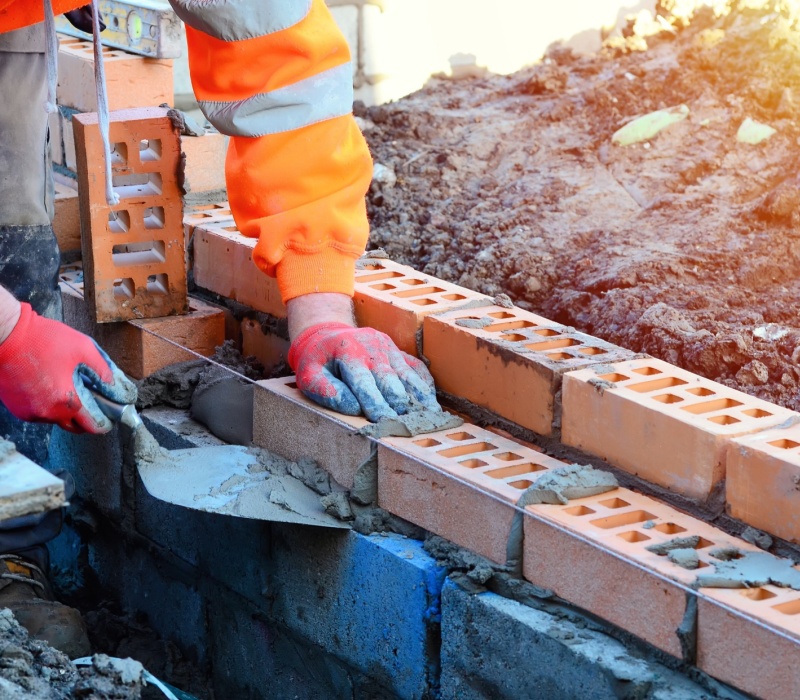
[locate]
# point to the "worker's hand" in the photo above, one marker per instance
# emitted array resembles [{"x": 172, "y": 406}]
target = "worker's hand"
[
  {"x": 45, "y": 369},
  {"x": 355, "y": 370}
]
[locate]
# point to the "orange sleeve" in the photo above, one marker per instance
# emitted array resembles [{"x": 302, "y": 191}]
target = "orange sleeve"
[
  {"x": 15, "y": 14},
  {"x": 299, "y": 189}
]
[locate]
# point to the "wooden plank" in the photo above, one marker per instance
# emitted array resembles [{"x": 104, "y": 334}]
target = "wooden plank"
[{"x": 26, "y": 488}]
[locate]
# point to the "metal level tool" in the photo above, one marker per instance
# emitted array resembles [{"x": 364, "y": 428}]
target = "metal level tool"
[{"x": 143, "y": 27}]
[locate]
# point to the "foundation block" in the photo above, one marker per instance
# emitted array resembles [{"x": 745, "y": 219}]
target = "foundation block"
[
  {"x": 460, "y": 484},
  {"x": 134, "y": 252},
  {"x": 509, "y": 361},
  {"x": 292, "y": 426},
  {"x": 763, "y": 481},
  {"x": 659, "y": 422},
  {"x": 593, "y": 553},
  {"x": 131, "y": 81},
  {"x": 757, "y": 655},
  {"x": 395, "y": 299},
  {"x": 223, "y": 264}
]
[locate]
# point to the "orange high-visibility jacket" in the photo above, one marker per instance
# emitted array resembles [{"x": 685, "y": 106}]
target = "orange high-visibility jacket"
[{"x": 276, "y": 76}]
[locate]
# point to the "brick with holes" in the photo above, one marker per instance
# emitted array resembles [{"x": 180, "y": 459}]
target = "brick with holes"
[
  {"x": 762, "y": 486},
  {"x": 223, "y": 264},
  {"x": 621, "y": 581},
  {"x": 509, "y": 361},
  {"x": 142, "y": 346},
  {"x": 665, "y": 425},
  {"x": 757, "y": 655},
  {"x": 133, "y": 252},
  {"x": 292, "y": 426},
  {"x": 131, "y": 81},
  {"x": 395, "y": 299},
  {"x": 459, "y": 484}
]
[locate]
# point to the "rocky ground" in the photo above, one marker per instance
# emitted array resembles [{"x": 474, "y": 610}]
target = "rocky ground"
[{"x": 685, "y": 246}]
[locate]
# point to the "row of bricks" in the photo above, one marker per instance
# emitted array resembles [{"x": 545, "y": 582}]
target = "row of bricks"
[
  {"x": 462, "y": 484},
  {"x": 608, "y": 402}
]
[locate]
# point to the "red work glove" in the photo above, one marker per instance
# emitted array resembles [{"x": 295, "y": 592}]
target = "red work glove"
[
  {"x": 45, "y": 368},
  {"x": 355, "y": 370}
]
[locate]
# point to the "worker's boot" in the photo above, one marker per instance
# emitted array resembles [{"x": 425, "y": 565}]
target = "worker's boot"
[{"x": 24, "y": 590}]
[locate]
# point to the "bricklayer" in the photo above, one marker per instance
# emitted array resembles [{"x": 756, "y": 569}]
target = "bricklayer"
[
  {"x": 661, "y": 423},
  {"x": 133, "y": 252},
  {"x": 509, "y": 361}
]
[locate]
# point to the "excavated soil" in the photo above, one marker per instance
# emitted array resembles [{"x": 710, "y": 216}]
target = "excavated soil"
[{"x": 685, "y": 246}]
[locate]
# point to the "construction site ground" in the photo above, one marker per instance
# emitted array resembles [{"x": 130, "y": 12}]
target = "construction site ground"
[{"x": 685, "y": 246}]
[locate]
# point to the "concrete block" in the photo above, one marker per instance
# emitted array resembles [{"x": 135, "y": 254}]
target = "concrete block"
[
  {"x": 292, "y": 426},
  {"x": 95, "y": 463},
  {"x": 659, "y": 422},
  {"x": 593, "y": 553},
  {"x": 757, "y": 655},
  {"x": 493, "y": 647},
  {"x": 68, "y": 134},
  {"x": 346, "y": 18},
  {"x": 141, "y": 347},
  {"x": 372, "y": 602},
  {"x": 67, "y": 218},
  {"x": 762, "y": 487},
  {"x": 223, "y": 264},
  {"x": 395, "y": 299},
  {"x": 131, "y": 81},
  {"x": 205, "y": 161},
  {"x": 510, "y": 361},
  {"x": 433, "y": 480},
  {"x": 254, "y": 658},
  {"x": 134, "y": 252}
]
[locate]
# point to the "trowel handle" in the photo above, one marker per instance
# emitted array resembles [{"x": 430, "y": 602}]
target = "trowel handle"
[{"x": 118, "y": 412}]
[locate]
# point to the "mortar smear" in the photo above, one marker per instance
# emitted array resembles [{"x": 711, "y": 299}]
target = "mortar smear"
[
  {"x": 752, "y": 570},
  {"x": 414, "y": 423},
  {"x": 560, "y": 485}
]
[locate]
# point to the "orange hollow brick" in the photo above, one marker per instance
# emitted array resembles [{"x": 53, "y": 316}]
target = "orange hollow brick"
[
  {"x": 759, "y": 655},
  {"x": 460, "y": 484},
  {"x": 762, "y": 487},
  {"x": 395, "y": 299},
  {"x": 292, "y": 426},
  {"x": 617, "y": 582},
  {"x": 269, "y": 349},
  {"x": 131, "y": 81},
  {"x": 659, "y": 422},
  {"x": 223, "y": 264},
  {"x": 509, "y": 361},
  {"x": 134, "y": 252}
]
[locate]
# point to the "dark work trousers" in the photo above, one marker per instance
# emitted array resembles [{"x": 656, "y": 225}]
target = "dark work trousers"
[{"x": 29, "y": 255}]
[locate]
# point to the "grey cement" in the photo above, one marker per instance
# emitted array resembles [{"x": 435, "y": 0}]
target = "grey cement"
[
  {"x": 32, "y": 670},
  {"x": 558, "y": 486},
  {"x": 416, "y": 422},
  {"x": 686, "y": 558},
  {"x": 664, "y": 548},
  {"x": 538, "y": 655},
  {"x": 751, "y": 570},
  {"x": 224, "y": 404},
  {"x": 475, "y": 322}
]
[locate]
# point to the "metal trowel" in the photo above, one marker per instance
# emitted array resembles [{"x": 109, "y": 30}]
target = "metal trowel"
[{"x": 226, "y": 479}]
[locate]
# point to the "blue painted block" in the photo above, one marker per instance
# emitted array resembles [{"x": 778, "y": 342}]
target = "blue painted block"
[{"x": 371, "y": 601}]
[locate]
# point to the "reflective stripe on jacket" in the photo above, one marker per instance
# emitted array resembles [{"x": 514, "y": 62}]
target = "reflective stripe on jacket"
[{"x": 276, "y": 76}]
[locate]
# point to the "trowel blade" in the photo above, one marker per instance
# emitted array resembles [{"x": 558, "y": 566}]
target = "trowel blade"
[{"x": 227, "y": 479}]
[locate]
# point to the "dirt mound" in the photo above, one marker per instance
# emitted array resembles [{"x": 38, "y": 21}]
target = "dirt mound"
[{"x": 685, "y": 246}]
